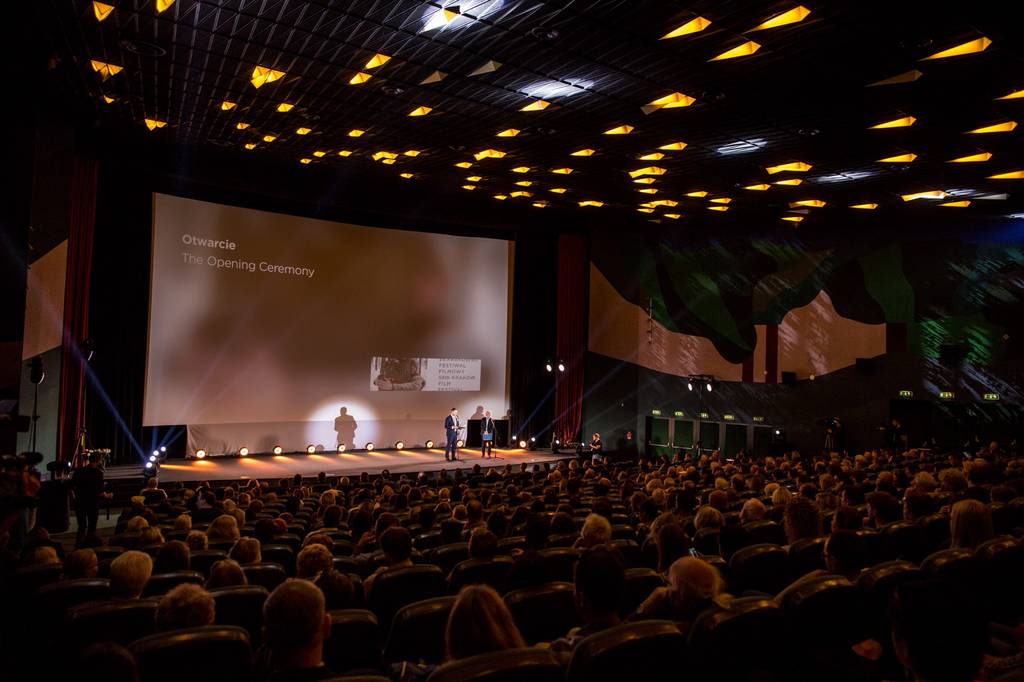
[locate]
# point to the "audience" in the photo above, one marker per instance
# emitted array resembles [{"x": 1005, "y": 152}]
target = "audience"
[
  {"x": 396, "y": 543},
  {"x": 184, "y": 606},
  {"x": 81, "y": 563},
  {"x": 970, "y": 524},
  {"x": 173, "y": 556},
  {"x": 295, "y": 625},
  {"x": 246, "y": 551},
  {"x": 596, "y": 531},
  {"x": 693, "y": 585},
  {"x": 599, "y": 586},
  {"x": 129, "y": 573},
  {"x": 225, "y": 573}
]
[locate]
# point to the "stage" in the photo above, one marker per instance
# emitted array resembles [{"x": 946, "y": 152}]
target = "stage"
[{"x": 333, "y": 464}]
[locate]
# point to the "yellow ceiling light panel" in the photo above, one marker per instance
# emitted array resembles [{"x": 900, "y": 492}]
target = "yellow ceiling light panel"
[
  {"x": 359, "y": 78},
  {"x": 898, "y": 79},
  {"x": 377, "y": 156},
  {"x": 262, "y": 75},
  {"x": 718, "y": 208},
  {"x": 1004, "y": 127},
  {"x": 699, "y": 194},
  {"x": 489, "y": 154},
  {"x": 899, "y": 158},
  {"x": 695, "y": 25},
  {"x": 540, "y": 204},
  {"x": 285, "y": 107},
  {"x": 536, "y": 105},
  {"x": 562, "y": 171},
  {"x": 644, "y": 209},
  {"x": 793, "y": 16},
  {"x": 758, "y": 188},
  {"x": 665, "y": 202},
  {"x": 583, "y": 152},
  {"x": 673, "y": 147},
  {"x": 520, "y": 193},
  {"x": 108, "y": 99},
  {"x": 319, "y": 154},
  {"x": 1016, "y": 94},
  {"x": 591, "y": 202},
  {"x": 303, "y": 131},
  {"x": 673, "y": 216},
  {"x": 813, "y": 203},
  {"x": 227, "y": 105},
  {"x": 105, "y": 69},
  {"x": 674, "y": 100},
  {"x": 250, "y": 145},
  {"x": 153, "y": 123},
  {"x": 928, "y": 194},
  {"x": 345, "y": 152},
  {"x": 305, "y": 160},
  {"x": 420, "y": 111},
  {"x": 412, "y": 152},
  {"x": 501, "y": 197},
  {"x": 464, "y": 164},
  {"x": 1012, "y": 175},
  {"x": 619, "y": 130},
  {"x": 970, "y": 47},
  {"x": 865, "y": 207},
  {"x": 474, "y": 178},
  {"x": 521, "y": 169},
  {"x": 407, "y": 176},
  {"x": 163, "y": 5},
  {"x": 794, "y": 166},
  {"x": 644, "y": 181},
  {"x": 745, "y": 50},
  {"x": 356, "y": 132},
  {"x": 792, "y": 182},
  {"x": 793, "y": 218},
  {"x": 435, "y": 77},
  {"x": 387, "y": 162},
  {"x": 241, "y": 125},
  {"x": 509, "y": 132},
  {"x": 964, "y": 203},
  {"x": 269, "y": 138},
  {"x": 647, "y": 170},
  {"x": 972, "y": 158},
  {"x": 377, "y": 60},
  {"x": 654, "y": 156},
  {"x": 102, "y": 10},
  {"x": 648, "y": 190},
  {"x": 721, "y": 200},
  {"x": 469, "y": 187},
  {"x": 524, "y": 183},
  {"x": 558, "y": 190},
  {"x": 903, "y": 122}
]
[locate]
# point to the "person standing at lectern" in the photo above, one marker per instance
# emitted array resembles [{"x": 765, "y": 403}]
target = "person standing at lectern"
[
  {"x": 486, "y": 436},
  {"x": 451, "y": 430}
]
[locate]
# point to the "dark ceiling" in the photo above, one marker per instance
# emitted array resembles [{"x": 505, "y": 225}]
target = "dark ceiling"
[{"x": 804, "y": 95}]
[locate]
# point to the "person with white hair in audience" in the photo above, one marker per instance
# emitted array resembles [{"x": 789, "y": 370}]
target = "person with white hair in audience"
[
  {"x": 185, "y": 606},
  {"x": 129, "y": 573},
  {"x": 597, "y": 530}
]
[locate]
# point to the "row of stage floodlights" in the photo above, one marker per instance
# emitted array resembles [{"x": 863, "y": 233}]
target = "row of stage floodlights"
[{"x": 311, "y": 449}]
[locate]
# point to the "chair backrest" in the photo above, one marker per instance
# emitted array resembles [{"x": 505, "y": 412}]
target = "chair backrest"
[
  {"x": 418, "y": 631},
  {"x": 355, "y": 641},
  {"x": 28, "y": 579},
  {"x": 1003, "y": 558},
  {"x": 279, "y": 554},
  {"x": 517, "y": 665},
  {"x": 402, "y": 586},
  {"x": 934, "y": 531},
  {"x": 54, "y": 599},
  {"x": 755, "y": 623},
  {"x": 350, "y": 564},
  {"x": 825, "y": 610},
  {"x": 117, "y": 621},
  {"x": 959, "y": 566},
  {"x": 560, "y": 562},
  {"x": 901, "y": 540},
  {"x": 806, "y": 555},
  {"x": 630, "y": 551},
  {"x": 708, "y": 541},
  {"x": 645, "y": 650},
  {"x": 162, "y": 583},
  {"x": 241, "y": 605},
  {"x": 640, "y": 582},
  {"x": 563, "y": 540},
  {"x": 428, "y": 540},
  {"x": 446, "y": 557},
  {"x": 760, "y": 568},
  {"x": 543, "y": 613},
  {"x": 506, "y": 545},
  {"x": 203, "y": 559},
  {"x": 493, "y": 572},
  {"x": 765, "y": 531},
  {"x": 268, "y": 575},
  {"x": 216, "y": 653}
]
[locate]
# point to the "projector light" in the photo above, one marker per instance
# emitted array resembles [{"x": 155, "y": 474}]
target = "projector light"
[
  {"x": 400, "y": 445},
  {"x": 278, "y": 450},
  {"x": 310, "y": 449},
  {"x": 369, "y": 447},
  {"x": 548, "y": 367},
  {"x": 200, "y": 453},
  {"x": 532, "y": 439},
  {"x": 243, "y": 451},
  {"x": 561, "y": 367},
  {"x": 152, "y": 458},
  {"x": 341, "y": 447},
  {"x": 522, "y": 445},
  {"x": 429, "y": 444}
]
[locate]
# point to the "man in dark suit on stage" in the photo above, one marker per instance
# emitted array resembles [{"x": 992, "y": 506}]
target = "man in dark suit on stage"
[
  {"x": 451, "y": 431},
  {"x": 486, "y": 436}
]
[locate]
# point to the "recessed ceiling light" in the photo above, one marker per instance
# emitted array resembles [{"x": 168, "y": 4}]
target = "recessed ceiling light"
[
  {"x": 319, "y": 154},
  {"x": 644, "y": 209},
  {"x": 469, "y": 187},
  {"x": 664, "y": 202},
  {"x": 163, "y": 5},
  {"x": 898, "y": 79},
  {"x": 972, "y": 158},
  {"x": 153, "y": 123},
  {"x": 695, "y": 25},
  {"x": 583, "y": 152},
  {"x": 540, "y": 204},
  {"x": 558, "y": 190},
  {"x": 699, "y": 194},
  {"x": 104, "y": 69},
  {"x": 759, "y": 188},
  {"x": 591, "y": 202},
  {"x": 359, "y": 78},
  {"x": 420, "y": 111},
  {"x": 562, "y": 171},
  {"x": 1004, "y": 127},
  {"x": 474, "y": 178},
  {"x": 377, "y": 60},
  {"x": 536, "y": 105},
  {"x": 789, "y": 181},
  {"x": 303, "y": 131},
  {"x": 674, "y": 100},
  {"x": 813, "y": 203},
  {"x": 718, "y": 208},
  {"x": 964, "y": 203},
  {"x": 524, "y": 183},
  {"x": 655, "y": 156},
  {"x": 407, "y": 176},
  {"x": 463, "y": 164},
  {"x": 261, "y": 75},
  {"x": 510, "y": 132},
  {"x": 619, "y": 130},
  {"x": 412, "y": 152},
  {"x": 108, "y": 99},
  {"x": 745, "y": 50},
  {"x": 673, "y": 216},
  {"x": 521, "y": 169},
  {"x": 1016, "y": 94},
  {"x": 644, "y": 181},
  {"x": 793, "y": 16},
  {"x": 520, "y": 193},
  {"x": 489, "y": 154},
  {"x": 673, "y": 146},
  {"x": 903, "y": 122},
  {"x": 269, "y": 138},
  {"x": 241, "y": 125},
  {"x": 899, "y": 158},
  {"x": 102, "y": 10},
  {"x": 648, "y": 190},
  {"x": 305, "y": 160},
  {"x": 721, "y": 200},
  {"x": 647, "y": 170},
  {"x": 434, "y": 77},
  {"x": 928, "y": 194},
  {"x": 794, "y": 166},
  {"x": 250, "y": 145},
  {"x": 345, "y": 152},
  {"x": 865, "y": 207},
  {"x": 227, "y": 106},
  {"x": 501, "y": 197},
  {"x": 285, "y": 107},
  {"x": 1011, "y": 175},
  {"x": 441, "y": 17},
  {"x": 742, "y": 147},
  {"x": 793, "y": 218},
  {"x": 970, "y": 47},
  {"x": 356, "y": 132},
  {"x": 487, "y": 67},
  {"x": 377, "y": 156}
]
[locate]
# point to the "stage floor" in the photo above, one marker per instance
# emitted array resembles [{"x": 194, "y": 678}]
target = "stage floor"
[{"x": 333, "y": 464}]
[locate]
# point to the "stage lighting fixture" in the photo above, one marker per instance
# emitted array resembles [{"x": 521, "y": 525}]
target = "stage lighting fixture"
[
  {"x": 243, "y": 451},
  {"x": 400, "y": 445},
  {"x": 429, "y": 444},
  {"x": 548, "y": 367},
  {"x": 310, "y": 449},
  {"x": 278, "y": 450},
  {"x": 149, "y": 464},
  {"x": 522, "y": 445},
  {"x": 561, "y": 366},
  {"x": 156, "y": 453},
  {"x": 460, "y": 443},
  {"x": 689, "y": 385},
  {"x": 152, "y": 458},
  {"x": 709, "y": 386},
  {"x": 778, "y": 432},
  {"x": 200, "y": 453},
  {"x": 369, "y": 447},
  {"x": 341, "y": 447}
]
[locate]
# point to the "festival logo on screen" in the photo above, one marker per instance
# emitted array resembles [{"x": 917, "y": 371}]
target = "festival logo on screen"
[{"x": 424, "y": 374}]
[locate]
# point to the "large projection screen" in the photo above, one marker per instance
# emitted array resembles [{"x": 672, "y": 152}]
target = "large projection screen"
[{"x": 274, "y": 330}]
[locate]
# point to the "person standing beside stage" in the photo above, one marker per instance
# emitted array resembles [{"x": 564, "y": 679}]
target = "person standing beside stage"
[
  {"x": 486, "y": 436},
  {"x": 87, "y": 484},
  {"x": 451, "y": 430}
]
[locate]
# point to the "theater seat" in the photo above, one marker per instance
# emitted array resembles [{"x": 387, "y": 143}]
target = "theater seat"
[
  {"x": 116, "y": 621},
  {"x": 279, "y": 554},
  {"x": 108, "y": 552},
  {"x": 28, "y": 579},
  {"x": 825, "y": 611},
  {"x": 428, "y": 540},
  {"x": 901, "y": 540},
  {"x": 418, "y": 631},
  {"x": 397, "y": 588},
  {"x": 563, "y": 540},
  {"x": 354, "y": 642},
  {"x": 1003, "y": 558},
  {"x": 202, "y": 560},
  {"x": 493, "y": 572},
  {"x": 755, "y": 625},
  {"x": 645, "y": 650},
  {"x": 759, "y": 568},
  {"x": 241, "y": 605},
  {"x": 934, "y": 532},
  {"x": 630, "y": 551},
  {"x": 519, "y": 665},
  {"x": 52, "y": 601},
  {"x": 217, "y": 653},
  {"x": 543, "y": 613},
  {"x": 765, "y": 531},
  {"x": 708, "y": 541},
  {"x": 805, "y": 556},
  {"x": 162, "y": 583},
  {"x": 506, "y": 545},
  {"x": 956, "y": 565},
  {"x": 877, "y": 585},
  {"x": 447, "y": 557},
  {"x": 640, "y": 582},
  {"x": 266, "y": 575},
  {"x": 348, "y": 564},
  {"x": 342, "y": 548},
  {"x": 560, "y": 562},
  {"x": 623, "y": 532}
]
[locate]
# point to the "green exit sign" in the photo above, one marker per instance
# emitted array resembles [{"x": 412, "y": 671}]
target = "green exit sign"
[
  {"x": 679, "y": 413},
  {"x": 991, "y": 396},
  {"x": 656, "y": 413},
  {"x": 705, "y": 415},
  {"x": 906, "y": 394},
  {"x": 729, "y": 417},
  {"x": 758, "y": 420},
  {"x": 947, "y": 395}
]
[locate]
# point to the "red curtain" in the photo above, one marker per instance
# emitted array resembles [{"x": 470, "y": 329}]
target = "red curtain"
[
  {"x": 81, "y": 226},
  {"x": 571, "y": 335}
]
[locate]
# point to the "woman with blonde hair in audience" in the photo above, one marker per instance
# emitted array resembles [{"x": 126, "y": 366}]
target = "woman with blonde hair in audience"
[
  {"x": 970, "y": 524},
  {"x": 150, "y": 537},
  {"x": 693, "y": 586},
  {"x": 246, "y": 551},
  {"x": 135, "y": 525},
  {"x": 480, "y": 623},
  {"x": 197, "y": 540},
  {"x": 224, "y": 527},
  {"x": 781, "y": 497},
  {"x": 182, "y": 522}
]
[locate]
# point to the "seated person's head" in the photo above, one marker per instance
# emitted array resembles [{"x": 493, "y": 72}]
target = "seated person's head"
[
  {"x": 339, "y": 592},
  {"x": 846, "y": 553},
  {"x": 332, "y": 516},
  {"x": 106, "y": 661},
  {"x": 396, "y": 543},
  {"x": 129, "y": 573},
  {"x": 295, "y": 625},
  {"x": 184, "y": 606},
  {"x": 883, "y": 508},
  {"x": 801, "y": 520},
  {"x": 173, "y": 556},
  {"x": 917, "y": 504},
  {"x": 224, "y": 527},
  {"x": 970, "y": 524},
  {"x": 150, "y": 536},
  {"x": 135, "y": 525},
  {"x": 753, "y": 510},
  {"x": 183, "y": 522},
  {"x": 197, "y": 540},
  {"x": 82, "y": 563},
  {"x": 483, "y": 544},
  {"x": 847, "y": 518},
  {"x": 673, "y": 544},
  {"x": 536, "y": 531},
  {"x": 312, "y": 561},
  {"x": 562, "y": 524},
  {"x": 596, "y": 531},
  {"x": 600, "y": 583},
  {"x": 693, "y": 586},
  {"x": 708, "y": 517},
  {"x": 226, "y": 573},
  {"x": 319, "y": 539},
  {"x": 719, "y": 499},
  {"x": 246, "y": 551},
  {"x": 480, "y": 623},
  {"x": 937, "y": 631}
]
